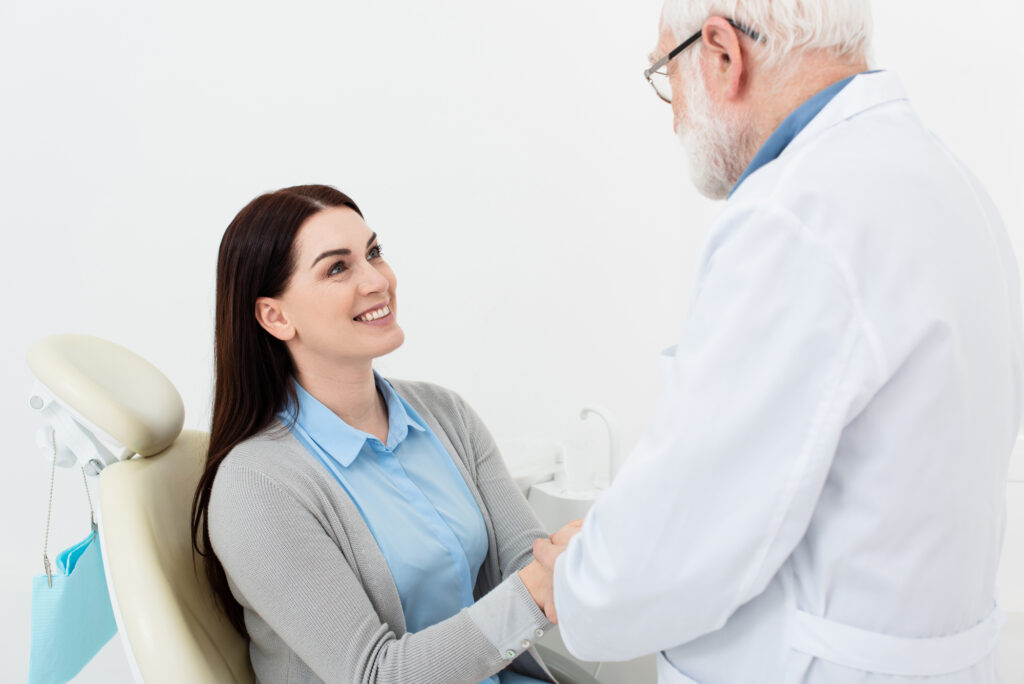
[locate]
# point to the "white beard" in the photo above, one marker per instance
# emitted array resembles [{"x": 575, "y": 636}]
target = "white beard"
[{"x": 717, "y": 144}]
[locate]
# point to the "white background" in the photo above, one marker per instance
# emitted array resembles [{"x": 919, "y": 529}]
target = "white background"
[{"x": 524, "y": 179}]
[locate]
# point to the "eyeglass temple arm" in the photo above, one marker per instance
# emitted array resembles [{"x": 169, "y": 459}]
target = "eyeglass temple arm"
[{"x": 754, "y": 35}]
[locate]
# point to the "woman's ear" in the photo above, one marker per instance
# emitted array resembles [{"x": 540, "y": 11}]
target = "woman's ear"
[{"x": 271, "y": 316}]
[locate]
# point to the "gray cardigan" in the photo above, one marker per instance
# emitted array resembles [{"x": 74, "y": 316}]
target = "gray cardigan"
[{"x": 319, "y": 601}]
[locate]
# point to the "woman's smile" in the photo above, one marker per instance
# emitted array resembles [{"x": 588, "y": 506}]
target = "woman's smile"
[{"x": 379, "y": 315}]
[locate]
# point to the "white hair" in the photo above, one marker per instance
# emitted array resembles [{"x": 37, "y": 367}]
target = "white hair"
[
  {"x": 718, "y": 144},
  {"x": 842, "y": 27}
]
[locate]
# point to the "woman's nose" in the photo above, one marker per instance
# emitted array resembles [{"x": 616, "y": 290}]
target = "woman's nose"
[{"x": 372, "y": 281}]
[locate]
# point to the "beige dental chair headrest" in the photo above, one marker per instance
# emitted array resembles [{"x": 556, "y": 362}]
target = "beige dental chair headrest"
[{"x": 114, "y": 389}]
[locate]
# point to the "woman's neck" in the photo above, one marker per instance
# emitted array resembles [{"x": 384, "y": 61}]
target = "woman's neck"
[{"x": 351, "y": 394}]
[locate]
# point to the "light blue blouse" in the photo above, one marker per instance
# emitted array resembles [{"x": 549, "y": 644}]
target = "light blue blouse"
[{"x": 413, "y": 499}]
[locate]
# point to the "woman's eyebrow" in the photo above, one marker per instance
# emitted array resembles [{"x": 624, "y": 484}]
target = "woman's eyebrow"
[
  {"x": 331, "y": 252},
  {"x": 345, "y": 251}
]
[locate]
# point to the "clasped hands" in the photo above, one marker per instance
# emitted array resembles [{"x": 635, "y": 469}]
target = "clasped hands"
[{"x": 538, "y": 576}]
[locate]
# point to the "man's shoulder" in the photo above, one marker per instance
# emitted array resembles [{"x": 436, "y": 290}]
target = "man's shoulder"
[{"x": 872, "y": 166}]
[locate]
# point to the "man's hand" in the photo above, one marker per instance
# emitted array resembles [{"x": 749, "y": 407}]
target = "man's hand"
[
  {"x": 538, "y": 576},
  {"x": 562, "y": 536}
]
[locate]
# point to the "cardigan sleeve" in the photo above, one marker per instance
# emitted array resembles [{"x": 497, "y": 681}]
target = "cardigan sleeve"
[
  {"x": 517, "y": 619},
  {"x": 285, "y": 567},
  {"x": 506, "y": 614},
  {"x": 515, "y": 523}
]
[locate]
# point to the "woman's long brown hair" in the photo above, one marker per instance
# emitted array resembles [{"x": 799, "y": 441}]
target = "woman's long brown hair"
[{"x": 252, "y": 369}]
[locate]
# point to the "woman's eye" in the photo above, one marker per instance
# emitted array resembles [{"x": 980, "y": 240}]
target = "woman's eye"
[
  {"x": 336, "y": 268},
  {"x": 376, "y": 252}
]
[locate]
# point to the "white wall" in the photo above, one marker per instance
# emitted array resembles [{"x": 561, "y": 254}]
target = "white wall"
[{"x": 523, "y": 177}]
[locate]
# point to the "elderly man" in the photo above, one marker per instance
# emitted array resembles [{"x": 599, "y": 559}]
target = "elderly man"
[{"x": 819, "y": 496}]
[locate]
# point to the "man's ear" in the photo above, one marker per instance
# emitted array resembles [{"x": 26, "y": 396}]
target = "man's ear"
[
  {"x": 724, "y": 62},
  {"x": 271, "y": 316}
]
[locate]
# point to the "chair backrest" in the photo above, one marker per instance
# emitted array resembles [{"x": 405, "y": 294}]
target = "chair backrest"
[{"x": 171, "y": 624}]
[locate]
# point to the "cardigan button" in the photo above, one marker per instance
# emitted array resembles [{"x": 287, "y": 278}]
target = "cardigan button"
[
  {"x": 539, "y": 633},
  {"x": 525, "y": 643},
  {"x": 509, "y": 654}
]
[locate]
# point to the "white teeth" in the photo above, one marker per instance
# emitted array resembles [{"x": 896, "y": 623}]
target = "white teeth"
[{"x": 374, "y": 315}]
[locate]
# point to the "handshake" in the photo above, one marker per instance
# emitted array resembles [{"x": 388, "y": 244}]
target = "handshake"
[{"x": 538, "y": 576}]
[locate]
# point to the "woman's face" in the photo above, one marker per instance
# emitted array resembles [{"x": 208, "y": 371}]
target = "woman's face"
[{"x": 339, "y": 305}]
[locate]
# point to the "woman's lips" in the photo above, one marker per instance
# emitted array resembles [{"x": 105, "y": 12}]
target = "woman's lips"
[{"x": 381, "y": 314}]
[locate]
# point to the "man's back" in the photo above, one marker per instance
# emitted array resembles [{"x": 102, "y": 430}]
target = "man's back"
[
  {"x": 834, "y": 428},
  {"x": 905, "y": 537}
]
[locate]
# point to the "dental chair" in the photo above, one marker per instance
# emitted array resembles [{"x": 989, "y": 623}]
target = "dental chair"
[
  {"x": 103, "y": 405},
  {"x": 112, "y": 412}
]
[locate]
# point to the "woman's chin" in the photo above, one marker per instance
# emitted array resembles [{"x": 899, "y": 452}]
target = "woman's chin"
[{"x": 396, "y": 338}]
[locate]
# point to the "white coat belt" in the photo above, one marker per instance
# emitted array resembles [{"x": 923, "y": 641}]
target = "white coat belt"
[
  {"x": 884, "y": 654},
  {"x": 667, "y": 673}
]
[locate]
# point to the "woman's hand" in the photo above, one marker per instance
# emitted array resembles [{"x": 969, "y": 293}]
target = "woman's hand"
[
  {"x": 538, "y": 576},
  {"x": 538, "y": 581}
]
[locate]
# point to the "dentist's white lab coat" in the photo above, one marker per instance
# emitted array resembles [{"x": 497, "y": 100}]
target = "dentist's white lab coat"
[{"x": 820, "y": 494}]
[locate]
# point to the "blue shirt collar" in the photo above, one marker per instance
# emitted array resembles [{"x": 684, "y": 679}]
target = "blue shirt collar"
[
  {"x": 339, "y": 439},
  {"x": 790, "y": 127}
]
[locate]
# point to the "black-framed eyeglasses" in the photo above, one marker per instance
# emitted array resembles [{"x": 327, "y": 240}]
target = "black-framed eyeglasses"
[{"x": 657, "y": 73}]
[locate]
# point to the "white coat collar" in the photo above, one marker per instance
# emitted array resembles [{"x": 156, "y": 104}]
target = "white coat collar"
[{"x": 866, "y": 91}]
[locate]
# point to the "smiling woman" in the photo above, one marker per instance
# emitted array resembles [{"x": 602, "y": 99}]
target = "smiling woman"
[
  {"x": 356, "y": 528},
  {"x": 339, "y": 304}
]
